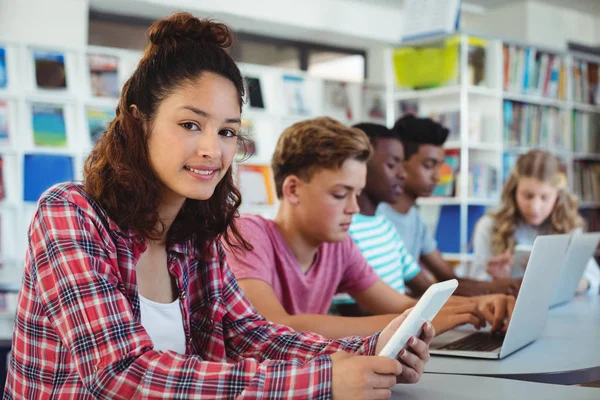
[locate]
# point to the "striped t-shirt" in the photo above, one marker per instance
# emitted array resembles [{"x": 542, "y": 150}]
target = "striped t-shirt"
[{"x": 379, "y": 242}]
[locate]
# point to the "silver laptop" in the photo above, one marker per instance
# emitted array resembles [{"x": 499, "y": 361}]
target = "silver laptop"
[
  {"x": 530, "y": 313},
  {"x": 581, "y": 249}
]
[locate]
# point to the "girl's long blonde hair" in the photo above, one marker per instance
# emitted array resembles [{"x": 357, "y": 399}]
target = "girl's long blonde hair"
[{"x": 545, "y": 167}]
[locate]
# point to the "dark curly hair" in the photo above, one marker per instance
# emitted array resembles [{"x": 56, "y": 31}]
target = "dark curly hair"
[{"x": 118, "y": 174}]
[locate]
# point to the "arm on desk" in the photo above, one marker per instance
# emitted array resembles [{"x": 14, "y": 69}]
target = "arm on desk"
[{"x": 264, "y": 300}]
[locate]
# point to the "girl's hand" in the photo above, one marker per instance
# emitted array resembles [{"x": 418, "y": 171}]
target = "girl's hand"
[{"x": 500, "y": 267}]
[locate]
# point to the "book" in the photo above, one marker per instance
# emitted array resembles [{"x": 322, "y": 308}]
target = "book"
[
  {"x": 42, "y": 171},
  {"x": 449, "y": 120},
  {"x": 3, "y": 69},
  {"x": 408, "y": 107},
  {"x": 374, "y": 104},
  {"x": 430, "y": 18},
  {"x": 448, "y": 171},
  {"x": 98, "y": 120},
  {"x": 49, "y": 127},
  {"x": 254, "y": 92},
  {"x": 447, "y": 222},
  {"x": 476, "y": 60},
  {"x": 294, "y": 88},
  {"x": 104, "y": 75},
  {"x": 337, "y": 100},
  {"x": 4, "y": 129},
  {"x": 50, "y": 70},
  {"x": 256, "y": 184}
]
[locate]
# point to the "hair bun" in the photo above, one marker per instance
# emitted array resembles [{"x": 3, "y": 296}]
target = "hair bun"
[{"x": 184, "y": 26}]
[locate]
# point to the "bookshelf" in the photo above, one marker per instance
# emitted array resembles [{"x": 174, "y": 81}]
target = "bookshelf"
[
  {"x": 515, "y": 97},
  {"x": 283, "y": 98}
]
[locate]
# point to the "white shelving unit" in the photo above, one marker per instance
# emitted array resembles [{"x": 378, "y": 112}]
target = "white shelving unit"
[
  {"x": 487, "y": 99},
  {"x": 22, "y": 91},
  {"x": 483, "y": 102}
]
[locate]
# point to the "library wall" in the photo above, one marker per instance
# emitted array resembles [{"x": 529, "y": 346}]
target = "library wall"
[
  {"x": 537, "y": 23},
  {"x": 63, "y": 22}
]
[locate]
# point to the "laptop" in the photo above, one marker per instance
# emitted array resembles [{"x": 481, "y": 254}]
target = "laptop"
[
  {"x": 530, "y": 313},
  {"x": 581, "y": 249}
]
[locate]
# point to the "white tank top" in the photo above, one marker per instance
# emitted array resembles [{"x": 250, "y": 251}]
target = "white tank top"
[{"x": 164, "y": 324}]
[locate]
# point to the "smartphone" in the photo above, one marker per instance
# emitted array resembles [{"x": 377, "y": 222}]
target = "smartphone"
[{"x": 425, "y": 311}]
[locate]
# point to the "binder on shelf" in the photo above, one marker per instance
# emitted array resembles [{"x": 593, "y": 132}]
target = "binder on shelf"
[
  {"x": 2, "y": 187},
  {"x": 256, "y": 184},
  {"x": 50, "y": 72},
  {"x": 104, "y": 75},
  {"x": 42, "y": 171},
  {"x": 254, "y": 92},
  {"x": 3, "y": 69},
  {"x": 4, "y": 127},
  {"x": 373, "y": 100},
  {"x": 294, "y": 89},
  {"x": 48, "y": 122},
  {"x": 98, "y": 120},
  {"x": 337, "y": 102},
  {"x": 448, "y": 226}
]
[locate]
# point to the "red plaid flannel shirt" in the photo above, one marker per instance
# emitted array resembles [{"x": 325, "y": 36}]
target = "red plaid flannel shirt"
[{"x": 78, "y": 333}]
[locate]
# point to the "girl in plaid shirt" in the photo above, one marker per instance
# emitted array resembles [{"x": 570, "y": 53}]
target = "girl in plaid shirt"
[{"x": 143, "y": 231}]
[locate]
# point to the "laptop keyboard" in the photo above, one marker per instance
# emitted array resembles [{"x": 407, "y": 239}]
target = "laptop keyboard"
[{"x": 478, "y": 341}]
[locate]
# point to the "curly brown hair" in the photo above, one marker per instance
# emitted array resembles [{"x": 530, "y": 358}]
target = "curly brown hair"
[
  {"x": 547, "y": 168},
  {"x": 118, "y": 174},
  {"x": 311, "y": 145}
]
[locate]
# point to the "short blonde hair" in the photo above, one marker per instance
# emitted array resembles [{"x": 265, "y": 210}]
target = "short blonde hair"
[{"x": 311, "y": 145}]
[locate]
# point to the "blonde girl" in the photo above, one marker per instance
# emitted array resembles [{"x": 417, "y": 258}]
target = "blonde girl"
[{"x": 536, "y": 200}]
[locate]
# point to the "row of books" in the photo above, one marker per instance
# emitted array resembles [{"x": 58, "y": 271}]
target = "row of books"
[
  {"x": 483, "y": 178},
  {"x": 483, "y": 181},
  {"x": 51, "y": 72},
  {"x": 586, "y": 132},
  {"x": 586, "y": 79},
  {"x": 337, "y": 99},
  {"x": 530, "y": 71},
  {"x": 586, "y": 181},
  {"x": 528, "y": 125},
  {"x": 40, "y": 171},
  {"x": 477, "y": 124},
  {"x": 49, "y": 126}
]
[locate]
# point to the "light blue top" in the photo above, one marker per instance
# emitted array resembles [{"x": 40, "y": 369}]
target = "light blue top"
[
  {"x": 412, "y": 228},
  {"x": 383, "y": 249}
]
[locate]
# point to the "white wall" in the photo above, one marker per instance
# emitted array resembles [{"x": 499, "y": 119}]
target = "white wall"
[
  {"x": 555, "y": 26},
  {"x": 45, "y": 22},
  {"x": 538, "y": 23},
  {"x": 508, "y": 21}
]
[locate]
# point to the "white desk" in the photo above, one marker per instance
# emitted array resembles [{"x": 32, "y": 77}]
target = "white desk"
[
  {"x": 461, "y": 387},
  {"x": 568, "y": 351}
]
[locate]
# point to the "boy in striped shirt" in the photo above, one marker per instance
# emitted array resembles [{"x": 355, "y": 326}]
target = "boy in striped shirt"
[{"x": 303, "y": 257}]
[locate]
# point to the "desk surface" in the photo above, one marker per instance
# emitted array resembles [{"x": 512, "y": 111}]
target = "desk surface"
[
  {"x": 455, "y": 387},
  {"x": 567, "y": 352}
]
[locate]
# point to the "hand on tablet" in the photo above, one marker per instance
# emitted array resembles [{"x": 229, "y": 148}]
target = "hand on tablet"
[
  {"x": 363, "y": 377},
  {"x": 414, "y": 360}
]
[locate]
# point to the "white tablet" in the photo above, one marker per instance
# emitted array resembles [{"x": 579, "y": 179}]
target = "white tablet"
[{"x": 424, "y": 311}]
